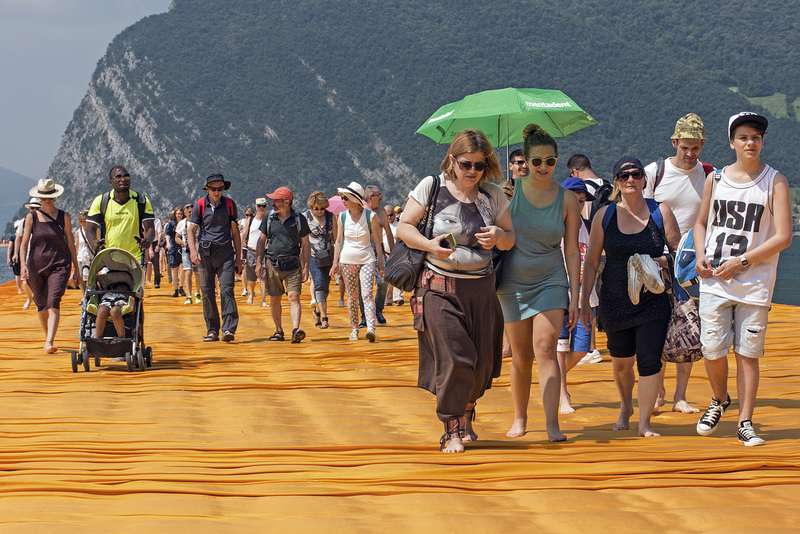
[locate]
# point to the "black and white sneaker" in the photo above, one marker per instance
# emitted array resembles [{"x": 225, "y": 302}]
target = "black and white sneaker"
[
  {"x": 748, "y": 436},
  {"x": 708, "y": 423}
]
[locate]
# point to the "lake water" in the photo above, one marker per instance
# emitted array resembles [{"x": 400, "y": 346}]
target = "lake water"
[{"x": 787, "y": 287}]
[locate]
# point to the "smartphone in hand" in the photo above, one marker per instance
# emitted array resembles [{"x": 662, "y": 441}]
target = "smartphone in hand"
[{"x": 448, "y": 241}]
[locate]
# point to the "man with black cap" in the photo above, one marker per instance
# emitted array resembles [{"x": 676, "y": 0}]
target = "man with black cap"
[
  {"x": 678, "y": 182},
  {"x": 125, "y": 217},
  {"x": 737, "y": 250},
  {"x": 215, "y": 244},
  {"x": 284, "y": 239}
]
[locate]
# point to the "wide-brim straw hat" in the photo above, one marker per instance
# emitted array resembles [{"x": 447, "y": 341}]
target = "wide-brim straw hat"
[
  {"x": 46, "y": 188},
  {"x": 34, "y": 203},
  {"x": 353, "y": 191}
]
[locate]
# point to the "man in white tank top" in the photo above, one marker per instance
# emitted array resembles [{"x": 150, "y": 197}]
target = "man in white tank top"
[
  {"x": 751, "y": 224},
  {"x": 678, "y": 183}
]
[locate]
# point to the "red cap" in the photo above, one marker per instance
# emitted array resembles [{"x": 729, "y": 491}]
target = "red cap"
[{"x": 282, "y": 193}]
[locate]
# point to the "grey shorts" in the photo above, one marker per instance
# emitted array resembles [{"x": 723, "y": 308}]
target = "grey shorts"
[
  {"x": 250, "y": 266},
  {"x": 725, "y": 323},
  {"x": 186, "y": 257}
]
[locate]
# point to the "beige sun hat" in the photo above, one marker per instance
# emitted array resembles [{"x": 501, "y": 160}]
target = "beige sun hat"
[
  {"x": 46, "y": 188},
  {"x": 34, "y": 203},
  {"x": 353, "y": 191}
]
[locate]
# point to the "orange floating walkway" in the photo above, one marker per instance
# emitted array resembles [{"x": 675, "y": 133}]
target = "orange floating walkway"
[{"x": 258, "y": 436}]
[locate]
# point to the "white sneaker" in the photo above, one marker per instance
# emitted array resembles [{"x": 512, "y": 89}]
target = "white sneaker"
[
  {"x": 643, "y": 271},
  {"x": 354, "y": 334},
  {"x": 591, "y": 357},
  {"x": 244, "y": 293}
]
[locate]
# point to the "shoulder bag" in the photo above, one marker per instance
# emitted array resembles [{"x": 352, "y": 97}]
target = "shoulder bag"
[
  {"x": 404, "y": 264},
  {"x": 682, "y": 344}
]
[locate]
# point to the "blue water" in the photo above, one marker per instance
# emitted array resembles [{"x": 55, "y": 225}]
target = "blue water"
[{"x": 787, "y": 287}]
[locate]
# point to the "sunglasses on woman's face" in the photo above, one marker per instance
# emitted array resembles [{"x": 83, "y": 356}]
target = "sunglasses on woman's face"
[
  {"x": 466, "y": 166},
  {"x": 623, "y": 176},
  {"x": 537, "y": 162}
]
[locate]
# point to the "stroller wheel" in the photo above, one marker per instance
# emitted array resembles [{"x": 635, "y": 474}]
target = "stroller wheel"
[
  {"x": 148, "y": 356},
  {"x": 129, "y": 361},
  {"x": 140, "y": 360},
  {"x": 74, "y": 357},
  {"x": 85, "y": 358}
]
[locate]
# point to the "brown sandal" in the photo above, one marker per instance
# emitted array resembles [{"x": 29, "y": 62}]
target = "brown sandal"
[
  {"x": 324, "y": 323},
  {"x": 453, "y": 428}
]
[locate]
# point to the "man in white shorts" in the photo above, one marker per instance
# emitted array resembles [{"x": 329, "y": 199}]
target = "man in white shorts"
[{"x": 752, "y": 223}]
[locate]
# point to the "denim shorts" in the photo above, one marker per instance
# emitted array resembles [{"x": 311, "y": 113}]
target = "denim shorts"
[
  {"x": 578, "y": 339},
  {"x": 725, "y": 323}
]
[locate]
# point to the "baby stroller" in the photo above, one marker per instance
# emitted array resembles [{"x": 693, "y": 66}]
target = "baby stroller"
[{"x": 117, "y": 271}]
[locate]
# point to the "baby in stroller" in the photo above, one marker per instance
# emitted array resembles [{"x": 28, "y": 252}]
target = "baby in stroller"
[{"x": 111, "y": 304}]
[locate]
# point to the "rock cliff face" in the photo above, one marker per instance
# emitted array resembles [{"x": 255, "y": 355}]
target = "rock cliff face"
[{"x": 313, "y": 94}]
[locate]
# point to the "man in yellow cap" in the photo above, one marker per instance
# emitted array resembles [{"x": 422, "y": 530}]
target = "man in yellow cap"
[{"x": 678, "y": 182}]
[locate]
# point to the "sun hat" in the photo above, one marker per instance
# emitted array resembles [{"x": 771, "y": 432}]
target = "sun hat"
[
  {"x": 282, "y": 193},
  {"x": 34, "y": 203},
  {"x": 573, "y": 183},
  {"x": 627, "y": 162},
  {"x": 46, "y": 188},
  {"x": 746, "y": 116},
  {"x": 217, "y": 178},
  {"x": 690, "y": 126},
  {"x": 353, "y": 191},
  {"x": 261, "y": 202}
]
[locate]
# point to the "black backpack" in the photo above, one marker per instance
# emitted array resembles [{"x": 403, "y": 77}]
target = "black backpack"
[{"x": 601, "y": 194}]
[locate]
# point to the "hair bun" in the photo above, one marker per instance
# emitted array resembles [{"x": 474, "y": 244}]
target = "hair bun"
[{"x": 531, "y": 129}]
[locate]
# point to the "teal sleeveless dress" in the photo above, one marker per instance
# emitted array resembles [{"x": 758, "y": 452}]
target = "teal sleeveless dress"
[{"x": 534, "y": 277}]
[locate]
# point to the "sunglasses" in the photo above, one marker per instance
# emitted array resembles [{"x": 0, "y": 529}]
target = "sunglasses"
[
  {"x": 122, "y": 176},
  {"x": 623, "y": 176},
  {"x": 518, "y": 162},
  {"x": 261, "y": 205},
  {"x": 537, "y": 162},
  {"x": 318, "y": 209},
  {"x": 188, "y": 207},
  {"x": 215, "y": 188},
  {"x": 465, "y": 166}
]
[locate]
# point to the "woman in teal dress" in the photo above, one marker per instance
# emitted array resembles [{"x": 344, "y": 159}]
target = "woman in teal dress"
[{"x": 535, "y": 292}]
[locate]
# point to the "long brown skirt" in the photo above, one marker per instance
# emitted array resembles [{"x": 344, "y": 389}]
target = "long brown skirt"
[{"x": 459, "y": 326}]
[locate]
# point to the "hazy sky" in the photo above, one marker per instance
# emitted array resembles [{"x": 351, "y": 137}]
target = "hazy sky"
[{"x": 48, "y": 52}]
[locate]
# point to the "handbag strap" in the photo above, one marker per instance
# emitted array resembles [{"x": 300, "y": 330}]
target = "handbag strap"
[{"x": 425, "y": 225}]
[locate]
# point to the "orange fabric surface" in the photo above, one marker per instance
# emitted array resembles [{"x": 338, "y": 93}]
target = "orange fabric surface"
[{"x": 258, "y": 436}]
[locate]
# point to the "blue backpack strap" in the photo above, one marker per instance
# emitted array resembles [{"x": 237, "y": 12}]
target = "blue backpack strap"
[
  {"x": 607, "y": 215},
  {"x": 655, "y": 213}
]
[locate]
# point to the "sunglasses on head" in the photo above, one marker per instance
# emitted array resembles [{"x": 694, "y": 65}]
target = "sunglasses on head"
[
  {"x": 537, "y": 162},
  {"x": 215, "y": 188},
  {"x": 465, "y": 166},
  {"x": 623, "y": 176}
]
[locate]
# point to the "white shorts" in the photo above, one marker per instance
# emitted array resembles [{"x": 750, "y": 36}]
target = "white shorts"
[{"x": 725, "y": 323}]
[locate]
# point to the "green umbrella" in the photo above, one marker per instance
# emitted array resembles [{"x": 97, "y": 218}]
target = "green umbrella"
[{"x": 502, "y": 114}]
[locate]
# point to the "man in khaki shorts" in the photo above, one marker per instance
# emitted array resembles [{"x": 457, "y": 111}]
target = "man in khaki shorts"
[{"x": 284, "y": 239}]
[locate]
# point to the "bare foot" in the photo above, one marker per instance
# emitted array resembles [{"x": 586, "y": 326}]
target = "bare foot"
[
  {"x": 50, "y": 349},
  {"x": 659, "y": 402},
  {"x": 684, "y": 407},
  {"x": 264, "y": 304},
  {"x": 647, "y": 432},
  {"x": 506, "y": 352},
  {"x": 624, "y": 421},
  {"x": 26, "y": 305},
  {"x": 517, "y": 429},
  {"x": 469, "y": 433},
  {"x": 565, "y": 404},
  {"x": 555, "y": 435},
  {"x": 454, "y": 445},
  {"x": 250, "y": 299}
]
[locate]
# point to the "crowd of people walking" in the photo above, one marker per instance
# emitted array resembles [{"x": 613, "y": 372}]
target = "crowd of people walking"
[{"x": 538, "y": 260}]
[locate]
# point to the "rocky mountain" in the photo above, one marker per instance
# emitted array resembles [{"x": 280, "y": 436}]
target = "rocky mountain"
[
  {"x": 314, "y": 94},
  {"x": 15, "y": 189}
]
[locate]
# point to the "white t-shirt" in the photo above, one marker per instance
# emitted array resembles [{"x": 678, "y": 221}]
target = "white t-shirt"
[
  {"x": 583, "y": 246},
  {"x": 181, "y": 230},
  {"x": 742, "y": 221},
  {"x": 254, "y": 233},
  {"x": 681, "y": 190},
  {"x": 356, "y": 246}
]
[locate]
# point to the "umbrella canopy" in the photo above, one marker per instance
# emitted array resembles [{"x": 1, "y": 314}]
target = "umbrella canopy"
[
  {"x": 335, "y": 205},
  {"x": 502, "y": 114}
]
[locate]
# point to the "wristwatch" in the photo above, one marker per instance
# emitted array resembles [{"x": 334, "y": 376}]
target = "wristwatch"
[{"x": 745, "y": 263}]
